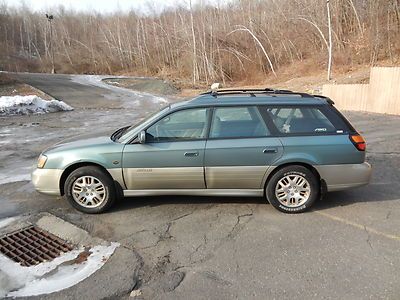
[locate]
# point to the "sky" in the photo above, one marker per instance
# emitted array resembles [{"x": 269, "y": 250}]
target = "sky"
[{"x": 106, "y": 6}]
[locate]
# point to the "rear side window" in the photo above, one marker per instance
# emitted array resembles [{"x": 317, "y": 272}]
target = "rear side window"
[
  {"x": 305, "y": 120},
  {"x": 235, "y": 122}
]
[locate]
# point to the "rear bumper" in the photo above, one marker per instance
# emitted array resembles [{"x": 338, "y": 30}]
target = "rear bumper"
[
  {"x": 47, "y": 181},
  {"x": 346, "y": 176}
]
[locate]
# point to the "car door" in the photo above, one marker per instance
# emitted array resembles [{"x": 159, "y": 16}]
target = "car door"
[
  {"x": 240, "y": 149},
  {"x": 172, "y": 155}
]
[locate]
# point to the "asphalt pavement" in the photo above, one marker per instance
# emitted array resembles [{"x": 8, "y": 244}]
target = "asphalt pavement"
[{"x": 347, "y": 247}]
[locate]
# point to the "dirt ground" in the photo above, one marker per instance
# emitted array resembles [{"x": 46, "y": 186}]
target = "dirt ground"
[
  {"x": 308, "y": 83},
  {"x": 10, "y": 86}
]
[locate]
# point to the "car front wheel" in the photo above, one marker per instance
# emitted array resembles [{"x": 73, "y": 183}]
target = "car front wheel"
[
  {"x": 292, "y": 189},
  {"x": 90, "y": 190}
]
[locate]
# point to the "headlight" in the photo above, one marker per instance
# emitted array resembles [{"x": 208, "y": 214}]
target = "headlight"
[{"x": 41, "y": 161}]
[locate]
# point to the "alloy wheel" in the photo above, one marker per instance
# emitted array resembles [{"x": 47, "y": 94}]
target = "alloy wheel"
[
  {"x": 292, "y": 190},
  {"x": 88, "y": 191}
]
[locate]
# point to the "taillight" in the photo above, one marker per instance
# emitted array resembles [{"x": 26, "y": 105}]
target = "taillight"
[{"x": 358, "y": 141}]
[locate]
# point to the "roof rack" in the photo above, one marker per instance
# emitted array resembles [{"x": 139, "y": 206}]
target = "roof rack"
[
  {"x": 329, "y": 100},
  {"x": 252, "y": 92}
]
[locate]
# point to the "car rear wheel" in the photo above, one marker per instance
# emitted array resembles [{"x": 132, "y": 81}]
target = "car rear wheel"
[
  {"x": 90, "y": 190},
  {"x": 292, "y": 189}
]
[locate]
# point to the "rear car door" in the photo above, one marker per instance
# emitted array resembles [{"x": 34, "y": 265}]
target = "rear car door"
[
  {"x": 240, "y": 149},
  {"x": 172, "y": 156}
]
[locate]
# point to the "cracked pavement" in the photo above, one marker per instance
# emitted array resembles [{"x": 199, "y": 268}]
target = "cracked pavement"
[{"x": 348, "y": 247}]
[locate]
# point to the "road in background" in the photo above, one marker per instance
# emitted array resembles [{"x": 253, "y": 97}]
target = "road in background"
[
  {"x": 222, "y": 248},
  {"x": 98, "y": 109}
]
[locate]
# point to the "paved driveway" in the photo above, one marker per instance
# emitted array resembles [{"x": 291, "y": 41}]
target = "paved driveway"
[{"x": 348, "y": 247}]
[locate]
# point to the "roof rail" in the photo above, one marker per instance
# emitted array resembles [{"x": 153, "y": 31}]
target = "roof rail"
[
  {"x": 252, "y": 92},
  {"x": 237, "y": 90}
]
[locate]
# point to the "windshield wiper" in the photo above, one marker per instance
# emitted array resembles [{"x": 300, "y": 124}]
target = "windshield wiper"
[{"x": 118, "y": 133}]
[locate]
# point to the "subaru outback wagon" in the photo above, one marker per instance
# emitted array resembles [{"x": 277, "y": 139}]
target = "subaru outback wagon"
[{"x": 284, "y": 146}]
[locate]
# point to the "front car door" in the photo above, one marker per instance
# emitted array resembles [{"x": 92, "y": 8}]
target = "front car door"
[
  {"x": 172, "y": 156},
  {"x": 240, "y": 149}
]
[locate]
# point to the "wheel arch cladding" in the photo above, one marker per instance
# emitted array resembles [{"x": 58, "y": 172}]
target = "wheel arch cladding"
[{"x": 75, "y": 166}]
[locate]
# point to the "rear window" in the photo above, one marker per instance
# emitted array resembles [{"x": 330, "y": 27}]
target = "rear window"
[{"x": 306, "y": 120}]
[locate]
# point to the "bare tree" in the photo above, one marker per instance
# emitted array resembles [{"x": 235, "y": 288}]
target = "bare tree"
[
  {"x": 328, "y": 10},
  {"x": 244, "y": 28},
  {"x": 195, "y": 67},
  {"x": 202, "y": 43}
]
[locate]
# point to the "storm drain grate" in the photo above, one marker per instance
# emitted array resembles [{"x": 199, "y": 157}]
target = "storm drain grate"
[{"x": 32, "y": 245}]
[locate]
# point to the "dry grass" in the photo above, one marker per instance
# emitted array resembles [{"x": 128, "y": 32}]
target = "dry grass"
[
  {"x": 5, "y": 79},
  {"x": 9, "y": 86}
]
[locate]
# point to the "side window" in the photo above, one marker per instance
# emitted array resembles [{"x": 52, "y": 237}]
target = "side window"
[
  {"x": 301, "y": 120},
  {"x": 231, "y": 122},
  {"x": 186, "y": 124},
  {"x": 234, "y": 114}
]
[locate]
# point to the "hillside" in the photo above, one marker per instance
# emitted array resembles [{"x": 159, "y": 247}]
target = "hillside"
[
  {"x": 309, "y": 83},
  {"x": 243, "y": 41}
]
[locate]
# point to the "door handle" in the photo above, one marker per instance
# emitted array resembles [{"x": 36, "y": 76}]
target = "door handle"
[
  {"x": 192, "y": 154},
  {"x": 270, "y": 150}
]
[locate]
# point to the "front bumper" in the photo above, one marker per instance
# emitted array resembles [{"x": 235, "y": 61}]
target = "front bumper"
[
  {"x": 47, "y": 181},
  {"x": 346, "y": 176}
]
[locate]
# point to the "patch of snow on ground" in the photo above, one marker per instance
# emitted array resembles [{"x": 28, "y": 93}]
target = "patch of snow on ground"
[
  {"x": 97, "y": 80},
  {"x": 14, "y": 178},
  {"x": 25, "y": 105},
  {"x": 7, "y": 221},
  {"x": 48, "y": 277}
]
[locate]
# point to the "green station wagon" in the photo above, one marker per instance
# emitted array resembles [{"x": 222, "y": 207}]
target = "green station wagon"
[{"x": 288, "y": 147}]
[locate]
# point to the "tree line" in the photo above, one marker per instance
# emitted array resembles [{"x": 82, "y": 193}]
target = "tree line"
[{"x": 203, "y": 43}]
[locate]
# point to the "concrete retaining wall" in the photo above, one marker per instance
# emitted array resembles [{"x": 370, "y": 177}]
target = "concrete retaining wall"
[{"x": 381, "y": 95}]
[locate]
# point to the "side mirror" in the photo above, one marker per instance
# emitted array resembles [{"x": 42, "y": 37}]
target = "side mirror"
[{"x": 142, "y": 137}]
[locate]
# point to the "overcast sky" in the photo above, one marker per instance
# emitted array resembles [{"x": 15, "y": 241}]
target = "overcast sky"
[{"x": 106, "y": 6}]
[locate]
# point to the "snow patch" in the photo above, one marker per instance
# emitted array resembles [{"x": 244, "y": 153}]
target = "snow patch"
[
  {"x": 7, "y": 221},
  {"x": 14, "y": 178},
  {"x": 97, "y": 80},
  {"x": 25, "y": 105},
  {"x": 48, "y": 277}
]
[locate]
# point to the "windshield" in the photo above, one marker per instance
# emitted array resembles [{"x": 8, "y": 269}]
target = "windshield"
[{"x": 129, "y": 132}]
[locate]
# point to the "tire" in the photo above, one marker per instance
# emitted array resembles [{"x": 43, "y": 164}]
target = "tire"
[
  {"x": 90, "y": 190},
  {"x": 292, "y": 189}
]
